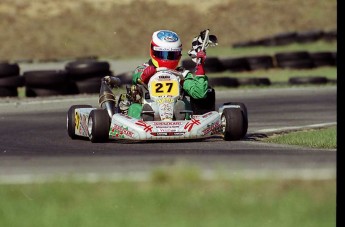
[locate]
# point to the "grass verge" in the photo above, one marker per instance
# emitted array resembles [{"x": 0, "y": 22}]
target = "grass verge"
[
  {"x": 174, "y": 201},
  {"x": 320, "y": 138}
]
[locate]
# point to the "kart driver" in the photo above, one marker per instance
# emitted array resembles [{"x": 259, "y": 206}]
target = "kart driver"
[{"x": 165, "y": 51}]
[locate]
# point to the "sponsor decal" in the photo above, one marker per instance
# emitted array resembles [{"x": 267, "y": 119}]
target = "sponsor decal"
[
  {"x": 77, "y": 120},
  {"x": 167, "y": 129},
  {"x": 147, "y": 127},
  {"x": 164, "y": 77},
  {"x": 167, "y": 48},
  {"x": 120, "y": 132},
  {"x": 81, "y": 123},
  {"x": 157, "y": 123},
  {"x": 207, "y": 115},
  {"x": 189, "y": 126},
  {"x": 167, "y": 133},
  {"x": 212, "y": 129},
  {"x": 168, "y": 124},
  {"x": 167, "y": 36},
  {"x": 164, "y": 100}
]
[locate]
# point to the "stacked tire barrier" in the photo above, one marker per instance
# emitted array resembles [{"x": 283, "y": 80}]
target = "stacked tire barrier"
[
  {"x": 47, "y": 83},
  {"x": 86, "y": 75},
  {"x": 79, "y": 77},
  {"x": 289, "y": 38},
  {"x": 293, "y": 59}
]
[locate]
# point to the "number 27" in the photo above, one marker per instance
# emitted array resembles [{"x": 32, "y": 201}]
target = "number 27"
[{"x": 160, "y": 87}]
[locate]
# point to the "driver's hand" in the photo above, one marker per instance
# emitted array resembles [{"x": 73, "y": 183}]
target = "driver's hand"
[
  {"x": 107, "y": 79},
  {"x": 147, "y": 73},
  {"x": 202, "y": 56},
  {"x": 200, "y": 71}
]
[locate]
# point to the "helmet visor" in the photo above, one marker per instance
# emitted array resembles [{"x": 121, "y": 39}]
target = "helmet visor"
[{"x": 167, "y": 55}]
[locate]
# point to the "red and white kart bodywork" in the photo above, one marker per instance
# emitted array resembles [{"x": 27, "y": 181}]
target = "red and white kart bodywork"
[{"x": 163, "y": 92}]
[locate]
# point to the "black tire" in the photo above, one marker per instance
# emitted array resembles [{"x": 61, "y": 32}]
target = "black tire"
[
  {"x": 45, "y": 78},
  {"x": 244, "y": 44},
  {"x": 68, "y": 89},
  {"x": 98, "y": 125},
  {"x": 8, "y": 69},
  {"x": 89, "y": 86},
  {"x": 324, "y": 58},
  {"x": 309, "y": 36},
  {"x": 8, "y": 92},
  {"x": 297, "y": 60},
  {"x": 12, "y": 81},
  {"x": 330, "y": 36},
  {"x": 233, "y": 124},
  {"x": 213, "y": 64},
  {"x": 71, "y": 120},
  {"x": 126, "y": 78},
  {"x": 297, "y": 64},
  {"x": 205, "y": 105},
  {"x": 291, "y": 56},
  {"x": 308, "y": 80},
  {"x": 188, "y": 64},
  {"x": 334, "y": 54},
  {"x": 79, "y": 70},
  {"x": 285, "y": 38},
  {"x": 223, "y": 81},
  {"x": 236, "y": 64},
  {"x": 254, "y": 81},
  {"x": 260, "y": 62},
  {"x": 245, "y": 115}
]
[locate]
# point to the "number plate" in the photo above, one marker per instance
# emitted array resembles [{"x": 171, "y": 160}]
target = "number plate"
[{"x": 164, "y": 88}]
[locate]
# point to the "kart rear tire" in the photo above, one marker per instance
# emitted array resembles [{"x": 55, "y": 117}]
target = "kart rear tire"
[
  {"x": 71, "y": 120},
  {"x": 98, "y": 125},
  {"x": 233, "y": 123}
]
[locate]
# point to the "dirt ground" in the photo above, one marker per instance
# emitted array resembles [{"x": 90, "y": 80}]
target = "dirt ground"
[{"x": 44, "y": 29}]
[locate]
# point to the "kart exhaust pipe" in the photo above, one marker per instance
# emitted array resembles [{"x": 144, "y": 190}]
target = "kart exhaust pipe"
[{"x": 107, "y": 99}]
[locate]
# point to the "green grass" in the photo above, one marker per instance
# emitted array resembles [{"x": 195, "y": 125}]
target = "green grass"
[
  {"x": 173, "y": 202},
  {"x": 321, "y": 138}
]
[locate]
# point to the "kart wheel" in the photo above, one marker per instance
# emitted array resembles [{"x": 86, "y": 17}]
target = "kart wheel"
[
  {"x": 233, "y": 124},
  {"x": 245, "y": 114},
  {"x": 98, "y": 125},
  {"x": 71, "y": 119}
]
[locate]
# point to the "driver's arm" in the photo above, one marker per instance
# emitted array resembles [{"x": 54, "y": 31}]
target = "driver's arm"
[
  {"x": 143, "y": 73},
  {"x": 196, "y": 86}
]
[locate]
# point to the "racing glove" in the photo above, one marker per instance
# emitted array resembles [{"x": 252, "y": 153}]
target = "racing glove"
[
  {"x": 200, "y": 71},
  {"x": 147, "y": 73}
]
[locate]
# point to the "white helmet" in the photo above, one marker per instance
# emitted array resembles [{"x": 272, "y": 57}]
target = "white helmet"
[{"x": 165, "y": 49}]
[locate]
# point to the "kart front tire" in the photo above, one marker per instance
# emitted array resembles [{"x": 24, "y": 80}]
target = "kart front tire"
[
  {"x": 98, "y": 125},
  {"x": 71, "y": 119},
  {"x": 245, "y": 115},
  {"x": 233, "y": 124}
]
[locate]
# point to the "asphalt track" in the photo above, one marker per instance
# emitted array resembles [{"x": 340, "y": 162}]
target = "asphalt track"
[{"x": 35, "y": 145}]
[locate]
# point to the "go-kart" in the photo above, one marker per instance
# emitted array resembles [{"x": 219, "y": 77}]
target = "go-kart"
[{"x": 167, "y": 114}]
